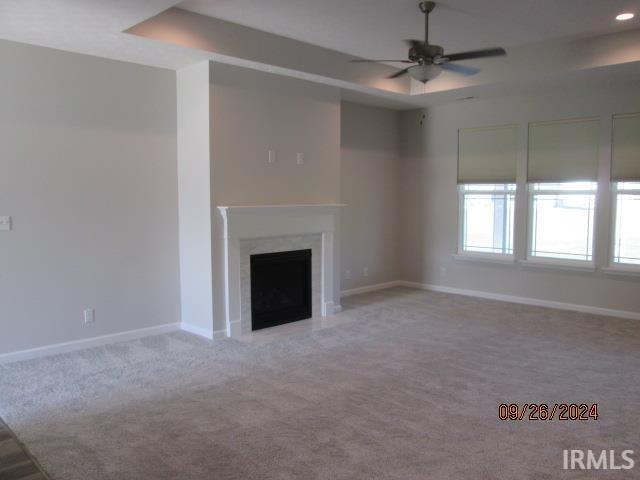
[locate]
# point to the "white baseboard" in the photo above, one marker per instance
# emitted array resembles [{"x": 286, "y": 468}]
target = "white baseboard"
[
  {"x": 525, "y": 300},
  {"x": 201, "y": 332},
  {"x": 87, "y": 343},
  {"x": 210, "y": 334},
  {"x": 220, "y": 333},
  {"x": 234, "y": 329},
  {"x": 331, "y": 308},
  {"x": 370, "y": 288}
]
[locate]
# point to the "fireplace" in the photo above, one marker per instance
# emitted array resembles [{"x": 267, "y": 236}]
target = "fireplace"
[
  {"x": 255, "y": 230},
  {"x": 280, "y": 288}
]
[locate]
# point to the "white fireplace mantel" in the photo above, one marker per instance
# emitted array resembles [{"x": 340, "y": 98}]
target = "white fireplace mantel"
[{"x": 268, "y": 221}]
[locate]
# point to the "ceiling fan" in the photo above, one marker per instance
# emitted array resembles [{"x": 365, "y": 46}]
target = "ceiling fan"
[{"x": 430, "y": 60}]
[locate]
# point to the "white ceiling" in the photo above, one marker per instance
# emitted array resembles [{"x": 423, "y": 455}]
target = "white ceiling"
[
  {"x": 375, "y": 28},
  {"x": 359, "y": 27},
  {"x": 93, "y": 27}
]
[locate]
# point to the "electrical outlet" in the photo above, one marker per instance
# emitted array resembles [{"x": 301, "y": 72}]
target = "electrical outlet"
[
  {"x": 443, "y": 271},
  {"x": 365, "y": 271},
  {"x": 272, "y": 156},
  {"x": 300, "y": 158},
  {"x": 5, "y": 223},
  {"x": 347, "y": 274},
  {"x": 89, "y": 315}
]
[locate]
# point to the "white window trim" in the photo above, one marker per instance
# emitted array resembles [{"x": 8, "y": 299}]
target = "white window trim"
[
  {"x": 501, "y": 258},
  {"x": 613, "y": 267},
  {"x": 540, "y": 261},
  {"x": 490, "y": 257},
  {"x": 620, "y": 270},
  {"x": 559, "y": 264}
]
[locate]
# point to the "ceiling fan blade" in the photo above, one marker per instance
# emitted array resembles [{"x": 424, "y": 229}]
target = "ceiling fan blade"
[
  {"x": 466, "y": 71},
  {"x": 399, "y": 73},
  {"x": 364, "y": 60},
  {"x": 488, "y": 52},
  {"x": 415, "y": 43}
]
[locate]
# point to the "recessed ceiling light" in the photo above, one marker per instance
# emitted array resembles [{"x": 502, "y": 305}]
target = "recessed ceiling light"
[{"x": 625, "y": 16}]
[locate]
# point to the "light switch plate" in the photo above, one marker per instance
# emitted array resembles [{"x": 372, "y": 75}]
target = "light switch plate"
[{"x": 5, "y": 223}]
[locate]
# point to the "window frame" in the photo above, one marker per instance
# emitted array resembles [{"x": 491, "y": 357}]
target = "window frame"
[
  {"x": 463, "y": 254},
  {"x": 612, "y": 265},
  {"x": 540, "y": 260}
]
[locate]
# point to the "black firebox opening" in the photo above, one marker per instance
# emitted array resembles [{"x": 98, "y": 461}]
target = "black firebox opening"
[{"x": 280, "y": 288}]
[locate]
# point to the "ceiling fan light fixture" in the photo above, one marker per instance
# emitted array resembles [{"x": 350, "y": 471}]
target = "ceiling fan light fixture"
[
  {"x": 625, "y": 16},
  {"x": 424, "y": 72}
]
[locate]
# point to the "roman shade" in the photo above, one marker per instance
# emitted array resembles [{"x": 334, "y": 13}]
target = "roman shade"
[
  {"x": 625, "y": 162},
  {"x": 563, "y": 151},
  {"x": 487, "y": 154}
]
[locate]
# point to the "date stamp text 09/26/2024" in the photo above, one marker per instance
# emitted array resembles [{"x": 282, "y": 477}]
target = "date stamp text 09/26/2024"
[{"x": 546, "y": 412}]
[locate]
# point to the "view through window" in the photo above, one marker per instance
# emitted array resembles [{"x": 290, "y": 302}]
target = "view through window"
[
  {"x": 626, "y": 246},
  {"x": 562, "y": 220},
  {"x": 487, "y": 218}
]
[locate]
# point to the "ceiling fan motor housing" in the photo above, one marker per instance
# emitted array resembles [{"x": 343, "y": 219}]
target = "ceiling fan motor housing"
[{"x": 425, "y": 53}]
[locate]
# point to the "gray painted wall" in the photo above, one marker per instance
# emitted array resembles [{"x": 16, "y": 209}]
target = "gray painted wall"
[
  {"x": 251, "y": 113},
  {"x": 429, "y": 195},
  {"x": 88, "y": 173},
  {"x": 370, "y": 168}
]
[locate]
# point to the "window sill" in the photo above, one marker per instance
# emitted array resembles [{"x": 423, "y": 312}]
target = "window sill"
[
  {"x": 485, "y": 258},
  {"x": 626, "y": 271},
  {"x": 575, "y": 266}
]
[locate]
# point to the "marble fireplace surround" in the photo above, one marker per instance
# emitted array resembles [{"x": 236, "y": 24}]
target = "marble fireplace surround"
[{"x": 277, "y": 228}]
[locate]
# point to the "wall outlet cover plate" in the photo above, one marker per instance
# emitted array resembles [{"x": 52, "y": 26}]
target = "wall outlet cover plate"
[{"x": 5, "y": 223}]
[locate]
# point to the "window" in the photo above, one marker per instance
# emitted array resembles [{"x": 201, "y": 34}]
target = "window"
[
  {"x": 562, "y": 220},
  {"x": 625, "y": 173},
  {"x": 487, "y": 164},
  {"x": 626, "y": 238},
  {"x": 486, "y": 218}
]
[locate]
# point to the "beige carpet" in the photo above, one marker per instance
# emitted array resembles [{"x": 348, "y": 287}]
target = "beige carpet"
[{"x": 409, "y": 389}]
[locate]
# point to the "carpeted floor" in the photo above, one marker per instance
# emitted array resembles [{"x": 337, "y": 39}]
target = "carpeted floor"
[{"x": 409, "y": 388}]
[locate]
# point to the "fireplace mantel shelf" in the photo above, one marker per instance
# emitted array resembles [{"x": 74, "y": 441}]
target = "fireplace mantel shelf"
[{"x": 275, "y": 208}]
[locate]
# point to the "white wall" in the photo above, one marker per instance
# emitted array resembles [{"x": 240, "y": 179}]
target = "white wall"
[
  {"x": 195, "y": 198},
  {"x": 88, "y": 173},
  {"x": 429, "y": 190},
  {"x": 370, "y": 167}
]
